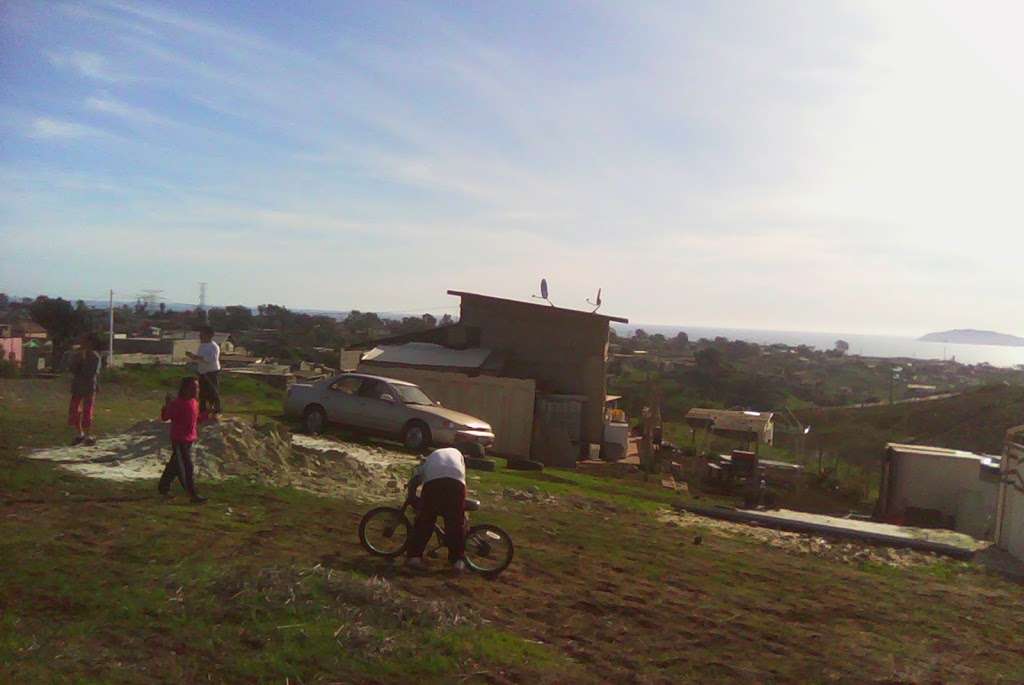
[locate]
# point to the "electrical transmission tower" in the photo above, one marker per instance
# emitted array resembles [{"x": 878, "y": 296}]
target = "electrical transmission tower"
[{"x": 151, "y": 298}]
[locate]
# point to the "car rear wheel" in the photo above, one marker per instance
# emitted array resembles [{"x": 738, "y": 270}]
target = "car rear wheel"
[
  {"x": 314, "y": 419},
  {"x": 416, "y": 436}
]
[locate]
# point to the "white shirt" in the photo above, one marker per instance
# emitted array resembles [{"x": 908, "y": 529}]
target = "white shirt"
[
  {"x": 210, "y": 353},
  {"x": 446, "y": 462}
]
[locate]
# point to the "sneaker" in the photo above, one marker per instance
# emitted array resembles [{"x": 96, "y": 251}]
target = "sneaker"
[
  {"x": 78, "y": 440},
  {"x": 198, "y": 499},
  {"x": 415, "y": 563},
  {"x": 459, "y": 566}
]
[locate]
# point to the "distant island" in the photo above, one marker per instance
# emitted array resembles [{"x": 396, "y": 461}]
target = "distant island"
[{"x": 969, "y": 336}]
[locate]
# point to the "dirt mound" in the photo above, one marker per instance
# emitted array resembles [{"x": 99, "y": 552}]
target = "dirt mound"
[{"x": 232, "y": 447}]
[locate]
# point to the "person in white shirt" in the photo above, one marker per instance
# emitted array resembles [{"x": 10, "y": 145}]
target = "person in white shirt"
[
  {"x": 208, "y": 365},
  {"x": 443, "y": 477}
]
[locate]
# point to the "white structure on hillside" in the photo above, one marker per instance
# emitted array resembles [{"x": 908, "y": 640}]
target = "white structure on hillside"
[{"x": 939, "y": 487}]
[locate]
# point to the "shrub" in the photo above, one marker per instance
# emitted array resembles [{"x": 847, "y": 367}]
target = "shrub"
[{"x": 9, "y": 369}]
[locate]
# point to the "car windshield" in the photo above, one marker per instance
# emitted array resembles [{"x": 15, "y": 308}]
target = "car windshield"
[{"x": 410, "y": 394}]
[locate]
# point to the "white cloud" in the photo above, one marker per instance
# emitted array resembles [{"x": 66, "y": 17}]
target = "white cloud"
[
  {"x": 138, "y": 115},
  {"x": 45, "y": 127},
  {"x": 89, "y": 64}
]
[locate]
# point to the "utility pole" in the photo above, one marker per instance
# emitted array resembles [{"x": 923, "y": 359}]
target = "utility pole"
[
  {"x": 202, "y": 301},
  {"x": 110, "y": 340}
]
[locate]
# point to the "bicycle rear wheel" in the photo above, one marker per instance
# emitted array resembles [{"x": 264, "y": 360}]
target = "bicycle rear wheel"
[
  {"x": 489, "y": 549},
  {"x": 384, "y": 531}
]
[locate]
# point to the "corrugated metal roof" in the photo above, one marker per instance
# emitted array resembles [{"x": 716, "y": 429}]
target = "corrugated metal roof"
[
  {"x": 428, "y": 354},
  {"x": 725, "y": 419},
  {"x": 932, "y": 451}
]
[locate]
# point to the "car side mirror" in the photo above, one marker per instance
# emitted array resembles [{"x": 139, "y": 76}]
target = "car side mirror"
[
  {"x": 387, "y": 398},
  {"x": 437, "y": 403}
]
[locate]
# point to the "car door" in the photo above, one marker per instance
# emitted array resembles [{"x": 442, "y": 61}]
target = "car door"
[
  {"x": 381, "y": 409},
  {"x": 341, "y": 402}
]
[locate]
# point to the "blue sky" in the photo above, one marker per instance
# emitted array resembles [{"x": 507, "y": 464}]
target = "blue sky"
[{"x": 791, "y": 165}]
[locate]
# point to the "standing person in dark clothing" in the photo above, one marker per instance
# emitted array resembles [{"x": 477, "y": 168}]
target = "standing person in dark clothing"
[
  {"x": 85, "y": 382},
  {"x": 443, "y": 476},
  {"x": 183, "y": 413},
  {"x": 208, "y": 364}
]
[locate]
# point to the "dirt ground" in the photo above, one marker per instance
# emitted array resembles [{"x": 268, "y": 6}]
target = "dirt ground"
[{"x": 234, "y": 447}]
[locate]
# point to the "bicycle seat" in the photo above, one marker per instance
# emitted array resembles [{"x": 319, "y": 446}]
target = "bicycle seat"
[{"x": 472, "y": 504}]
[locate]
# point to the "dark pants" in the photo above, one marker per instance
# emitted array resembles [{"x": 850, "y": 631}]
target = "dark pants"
[
  {"x": 180, "y": 467},
  {"x": 209, "y": 391},
  {"x": 441, "y": 497}
]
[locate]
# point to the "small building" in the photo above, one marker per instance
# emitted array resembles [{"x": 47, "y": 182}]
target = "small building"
[
  {"x": 939, "y": 488},
  {"x": 158, "y": 350},
  {"x": 29, "y": 330},
  {"x": 1009, "y": 528},
  {"x": 36, "y": 356},
  {"x": 11, "y": 350},
  {"x": 747, "y": 426},
  {"x": 544, "y": 369}
]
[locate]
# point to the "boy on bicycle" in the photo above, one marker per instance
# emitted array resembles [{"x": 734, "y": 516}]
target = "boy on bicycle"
[{"x": 443, "y": 477}]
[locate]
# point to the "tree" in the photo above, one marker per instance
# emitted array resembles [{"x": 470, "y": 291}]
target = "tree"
[
  {"x": 842, "y": 347},
  {"x": 4, "y": 301},
  {"x": 62, "y": 322},
  {"x": 709, "y": 359},
  {"x": 237, "y": 318}
]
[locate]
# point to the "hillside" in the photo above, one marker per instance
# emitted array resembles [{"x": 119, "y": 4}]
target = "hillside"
[
  {"x": 977, "y": 420},
  {"x": 269, "y": 584},
  {"x": 969, "y": 336}
]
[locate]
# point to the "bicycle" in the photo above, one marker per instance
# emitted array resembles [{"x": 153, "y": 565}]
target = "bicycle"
[{"x": 385, "y": 532}]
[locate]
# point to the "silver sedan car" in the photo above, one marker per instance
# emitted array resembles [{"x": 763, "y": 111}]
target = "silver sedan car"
[{"x": 384, "y": 406}]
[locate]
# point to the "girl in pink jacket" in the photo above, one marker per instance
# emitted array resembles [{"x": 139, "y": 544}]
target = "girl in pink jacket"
[{"x": 183, "y": 413}]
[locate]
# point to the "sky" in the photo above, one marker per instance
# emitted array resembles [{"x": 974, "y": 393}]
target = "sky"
[{"x": 820, "y": 166}]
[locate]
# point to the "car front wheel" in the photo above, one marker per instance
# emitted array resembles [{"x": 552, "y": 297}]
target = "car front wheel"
[
  {"x": 416, "y": 436},
  {"x": 314, "y": 419}
]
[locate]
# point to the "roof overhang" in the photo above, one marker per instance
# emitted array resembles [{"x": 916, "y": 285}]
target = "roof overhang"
[{"x": 578, "y": 312}]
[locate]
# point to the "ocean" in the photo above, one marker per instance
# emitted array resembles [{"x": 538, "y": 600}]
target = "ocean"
[{"x": 865, "y": 345}]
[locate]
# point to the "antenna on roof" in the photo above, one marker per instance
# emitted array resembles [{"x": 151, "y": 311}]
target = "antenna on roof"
[
  {"x": 544, "y": 292},
  {"x": 596, "y": 304}
]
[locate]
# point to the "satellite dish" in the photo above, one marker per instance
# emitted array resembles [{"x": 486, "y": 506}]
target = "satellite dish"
[
  {"x": 596, "y": 303},
  {"x": 544, "y": 292}
]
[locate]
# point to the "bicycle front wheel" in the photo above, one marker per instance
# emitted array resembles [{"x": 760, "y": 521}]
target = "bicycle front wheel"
[
  {"x": 384, "y": 531},
  {"x": 489, "y": 549}
]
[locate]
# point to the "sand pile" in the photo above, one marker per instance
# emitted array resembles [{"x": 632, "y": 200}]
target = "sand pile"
[{"x": 232, "y": 447}]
